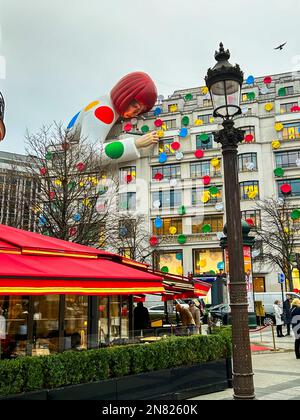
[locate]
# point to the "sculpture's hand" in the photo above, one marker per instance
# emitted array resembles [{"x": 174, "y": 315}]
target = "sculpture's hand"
[{"x": 146, "y": 140}]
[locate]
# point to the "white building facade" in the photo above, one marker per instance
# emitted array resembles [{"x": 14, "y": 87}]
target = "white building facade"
[{"x": 180, "y": 188}]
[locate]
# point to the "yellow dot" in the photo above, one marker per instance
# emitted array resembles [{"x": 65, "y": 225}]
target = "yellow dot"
[
  {"x": 204, "y": 90},
  {"x": 278, "y": 126},
  {"x": 202, "y": 263},
  {"x": 179, "y": 270},
  {"x": 215, "y": 162},
  {"x": 198, "y": 122},
  {"x": 275, "y": 144},
  {"x": 268, "y": 107},
  {"x": 173, "y": 108},
  {"x": 160, "y": 133},
  {"x": 172, "y": 230},
  {"x": 91, "y": 105}
]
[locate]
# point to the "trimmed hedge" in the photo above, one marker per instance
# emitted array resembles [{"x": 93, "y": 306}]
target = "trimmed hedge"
[{"x": 69, "y": 368}]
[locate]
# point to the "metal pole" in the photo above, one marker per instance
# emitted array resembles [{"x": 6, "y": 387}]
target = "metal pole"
[
  {"x": 242, "y": 363},
  {"x": 282, "y": 293}
]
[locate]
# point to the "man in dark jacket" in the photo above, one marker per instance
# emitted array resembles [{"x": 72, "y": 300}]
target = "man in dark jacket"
[
  {"x": 295, "y": 314},
  {"x": 287, "y": 313},
  {"x": 141, "y": 318}
]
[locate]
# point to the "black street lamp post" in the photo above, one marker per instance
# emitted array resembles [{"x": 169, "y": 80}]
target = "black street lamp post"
[{"x": 224, "y": 82}]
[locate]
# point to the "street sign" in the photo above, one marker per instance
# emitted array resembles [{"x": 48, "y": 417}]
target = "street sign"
[{"x": 281, "y": 278}]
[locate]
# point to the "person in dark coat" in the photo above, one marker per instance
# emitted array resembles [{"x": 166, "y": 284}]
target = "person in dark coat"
[
  {"x": 287, "y": 313},
  {"x": 295, "y": 315},
  {"x": 141, "y": 318}
]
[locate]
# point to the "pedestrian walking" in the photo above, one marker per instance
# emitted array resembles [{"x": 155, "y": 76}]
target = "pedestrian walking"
[
  {"x": 186, "y": 318},
  {"x": 278, "y": 318},
  {"x": 287, "y": 313},
  {"x": 295, "y": 315},
  {"x": 196, "y": 315},
  {"x": 141, "y": 318}
]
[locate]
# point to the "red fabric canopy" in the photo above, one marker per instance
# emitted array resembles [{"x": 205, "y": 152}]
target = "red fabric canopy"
[{"x": 25, "y": 274}]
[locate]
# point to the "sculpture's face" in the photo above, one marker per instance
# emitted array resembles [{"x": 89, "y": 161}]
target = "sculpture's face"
[{"x": 134, "y": 108}]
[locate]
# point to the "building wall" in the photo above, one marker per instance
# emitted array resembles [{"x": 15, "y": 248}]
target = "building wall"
[{"x": 254, "y": 115}]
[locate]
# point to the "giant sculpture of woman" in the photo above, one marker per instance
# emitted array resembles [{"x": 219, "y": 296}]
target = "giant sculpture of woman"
[
  {"x": 133, "y": 95},
  {"x": 2, "y": 125}
]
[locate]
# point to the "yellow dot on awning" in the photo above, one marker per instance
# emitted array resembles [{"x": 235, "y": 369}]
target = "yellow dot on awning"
[
  {"x": 91, "y": 105},
  {"x": 172, "y": 230},
  {"x": 215, "y": 162},
  {"x": 275, "y": 144},
  {"x": 278, "y": 126},
  {"x": 269, "y": 107}
]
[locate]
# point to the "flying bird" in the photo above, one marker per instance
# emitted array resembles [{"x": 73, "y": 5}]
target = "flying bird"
[{"x": 280, "y": 47}]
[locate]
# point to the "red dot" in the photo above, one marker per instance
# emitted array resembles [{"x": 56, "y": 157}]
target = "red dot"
[
  {"x": 158, "y": 176},
  {"x": 267, "y": 80},
  {"x": 249, "y": 138},
  {"x": 286, "y": 188},
  {"x": 206, "y": 179},
  {"x": 153, "y": 241},
  {"x": 105, "y": 114},
  {"x": 199, "y": 153},
  {"x": 175, "y": 145},
  {"x": 250, "y": 222}
]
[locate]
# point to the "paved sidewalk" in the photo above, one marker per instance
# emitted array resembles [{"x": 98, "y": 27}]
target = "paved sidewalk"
[
  {"x": 276, "y": 377},
  {"x": 265, "y": 338}
]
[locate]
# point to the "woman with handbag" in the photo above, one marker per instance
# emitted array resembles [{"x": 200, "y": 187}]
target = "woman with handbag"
[{"x": 278, "y": 318}]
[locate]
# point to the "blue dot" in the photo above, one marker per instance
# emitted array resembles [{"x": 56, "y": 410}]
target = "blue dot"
[
  {"x": 220, "y": 265},
  {"x": 183, "y": 132},
  {"x": 77, "y": 217},
  {"x": 163, "y": 157},
  {"x": 250, "y": 80},
  {"x": 157, "y": 111},
  {"x": 73, "y": 121},
  {"x": 299, "y": 130},
  {"x": 179, "y": 256},
  {"x": 158, "y": 223}
]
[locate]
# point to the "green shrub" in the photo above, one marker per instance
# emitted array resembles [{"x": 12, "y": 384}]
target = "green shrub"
[{"x": 69, "y": 368}]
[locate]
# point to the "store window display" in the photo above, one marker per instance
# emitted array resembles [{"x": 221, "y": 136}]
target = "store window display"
[
  {"x": 45, "y": 325},
  {"x": 76, "y": 321}
]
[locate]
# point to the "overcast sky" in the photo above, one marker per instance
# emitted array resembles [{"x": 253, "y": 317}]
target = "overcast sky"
[{"x": 61, "y": 54}]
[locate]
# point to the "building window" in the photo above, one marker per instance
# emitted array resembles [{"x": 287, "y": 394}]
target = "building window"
[
  {"x": 103, "y": 321},
  {"x": 259, "y": 284},
  {"x": 245, "y": 160},
  {"x": 115, "y": 318},
  {"x": 291, "y": 131},
  {"x": 126, "y": 228},
  {"x": 164, "y": 146},
  {"x": 215, "y": 222},
  {"x": 127, "y": 174},
  {"x": 207, "y": 118},
  {"x": 249, "y": 190},
  {"x": 167, "y": 199},
  {"x": 168, "y": 171},
  {"x": 173, "y": 260},
  {"x": 249, "y": 130},
  {"x": 207, "y": 103},
  {"x": 200, "y": 169},
  {"x": 286, "y": 108},
  {"x": 202, "y": 196},
  {"x": 76, "y": 317},
  {"x": 170, "y": 124},
  {"x": 287, "y": 159},
  {"x": 127, "y": 201},
  {"x": 253, "y": 215},
  {"x": 295, "y": 185},
  {"x": 204, "y": 144},
  {"x": 167, "y": 223},
  {"x": 206, "y": 260}
]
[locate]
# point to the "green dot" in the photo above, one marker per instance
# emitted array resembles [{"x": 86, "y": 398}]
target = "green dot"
[
  {"x": 49, "y": 155},
  {"x": 282, "y": 92},
  {"x": 114, "y": 150},
  {"x": 145, "y": 129},
  {"x": 214, "y": 190},
  {"x": 185, "y": 121},
  {"x": 164, "y": 269},
  {"x": 251, "y": 96},
  {"x": 212, "y": 272},
  {"x": 181, "y": 239},
  {"x": 188, "y": 97},
  {"x": 295, "y": 214},
  {"x": 71, "y": 185},
  {"x": 278, "y": 172},
  {"x": 181, "y": 210},
  {"x": 204, "y": 138},
  {"x": 206, "y": 228}
]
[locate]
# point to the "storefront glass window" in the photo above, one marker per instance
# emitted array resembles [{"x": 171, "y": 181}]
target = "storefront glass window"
[
  {"x": 115, "y": 319},
  {"x": 13, "y": 326},
  {"x": 103, "y": 320},
  {"x": 45, "y": 325},
  {"x": 76, "y": 321},
  {"x": 125, "y": 317},
  {"x": 206, "y": 260},
  {"x": 170, "y": 261}
]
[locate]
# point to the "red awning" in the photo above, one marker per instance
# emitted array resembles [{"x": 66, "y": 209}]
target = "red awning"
[{"x": 25, "y": 274}]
